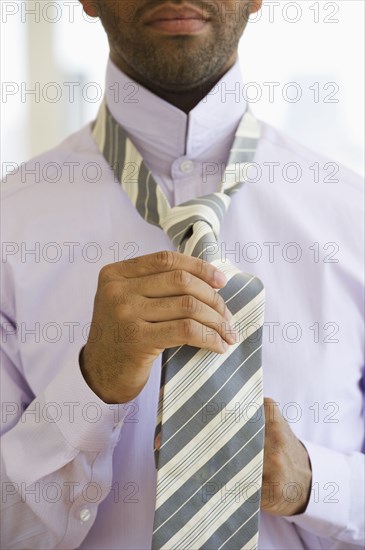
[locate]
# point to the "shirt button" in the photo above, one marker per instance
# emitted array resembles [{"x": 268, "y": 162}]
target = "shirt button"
[
  {"x": 186, "y": 166},
  {"x": 85, "y": 515}
]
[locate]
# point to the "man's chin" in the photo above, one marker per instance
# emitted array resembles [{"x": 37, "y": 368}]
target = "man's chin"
[
  {"x": 176, "y": 69},
  {"x": 177, "y": 78}
]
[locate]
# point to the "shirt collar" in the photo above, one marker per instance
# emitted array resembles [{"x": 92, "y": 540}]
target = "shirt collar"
[{"x": 165, "y": 131}]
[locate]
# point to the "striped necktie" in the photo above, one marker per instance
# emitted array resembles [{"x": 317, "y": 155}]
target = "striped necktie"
[{"x": 210, "y": 414}]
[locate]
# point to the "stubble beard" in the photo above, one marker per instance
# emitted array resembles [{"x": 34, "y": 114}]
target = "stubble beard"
[{"x": 175, "y": 64}]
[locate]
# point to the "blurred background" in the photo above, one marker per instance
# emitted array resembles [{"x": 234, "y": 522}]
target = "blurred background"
[{"x": 302, "y": 63}]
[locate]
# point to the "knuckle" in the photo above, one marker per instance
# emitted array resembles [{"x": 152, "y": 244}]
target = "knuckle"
[
  {"x": 147, "y": 331},
  {"x": 189, "y": 304},
  {"x": 216, "y": 300},
  {"x": 165, "y": 259},
  {"x": 114, "y": 293},
  {"x": 188, "y": 329},
  {"x": 222, "y": 303},
  {"x": 160, "y": 304},
  {"x": 104, "y": 275},
  {"x": 181, "y": 278}
]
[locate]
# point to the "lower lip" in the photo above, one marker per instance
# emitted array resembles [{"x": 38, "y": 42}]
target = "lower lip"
[{"x": 179, "y": 26}]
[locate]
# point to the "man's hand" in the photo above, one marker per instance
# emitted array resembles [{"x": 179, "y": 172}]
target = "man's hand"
[
  {"x": 287, "y": 474},
  {"x": 143, "y": 306}
]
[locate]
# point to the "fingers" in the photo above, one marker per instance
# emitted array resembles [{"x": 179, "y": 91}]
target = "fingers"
[
  {"x": 162, "y": 262},
  {"x": 179, "y": 283},
  {"x": 173, "y": 297},
  {"x": 187, "y": 307},
  {"x": 170, "y": 334}
]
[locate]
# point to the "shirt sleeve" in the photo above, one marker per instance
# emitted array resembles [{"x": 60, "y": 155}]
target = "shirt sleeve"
[
  {"x": 56, "y": 457},
  {"x": 336, "y": 506}
]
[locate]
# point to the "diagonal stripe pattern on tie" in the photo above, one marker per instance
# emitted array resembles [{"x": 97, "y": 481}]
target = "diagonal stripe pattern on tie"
[{"x": 210, "y": 415}]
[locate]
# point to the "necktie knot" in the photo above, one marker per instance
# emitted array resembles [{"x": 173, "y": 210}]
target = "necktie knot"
[{"x": 197, "y": 220}]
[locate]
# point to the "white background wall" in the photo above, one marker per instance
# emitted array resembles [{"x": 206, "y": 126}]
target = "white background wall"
[{"x": 302, "y": 62}]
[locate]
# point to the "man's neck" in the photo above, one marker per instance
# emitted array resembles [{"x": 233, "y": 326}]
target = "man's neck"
[{"x": 186, "y": 100}]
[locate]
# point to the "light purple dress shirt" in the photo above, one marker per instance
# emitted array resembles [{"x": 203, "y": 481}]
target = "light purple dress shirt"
[{"x": 78, "y": 473}]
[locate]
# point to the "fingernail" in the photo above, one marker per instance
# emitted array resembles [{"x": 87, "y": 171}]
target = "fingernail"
[
  {"x": 219, "y": 278},
  {"x": 225, "y": 346},
  {"x": 227, "y": 314},
  {"x": 232, "y": 335}
]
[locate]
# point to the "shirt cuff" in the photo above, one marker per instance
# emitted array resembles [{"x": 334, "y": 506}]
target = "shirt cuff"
[
  {"x": 328, "y": 508},
  {"x": 86, "y": 422}
]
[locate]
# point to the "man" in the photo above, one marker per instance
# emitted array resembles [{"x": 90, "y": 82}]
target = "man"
[{"x": 78, "y": 467}]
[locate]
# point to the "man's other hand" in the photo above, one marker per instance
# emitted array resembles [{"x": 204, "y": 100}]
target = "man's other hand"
[{"x": 287, "y": 475}]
